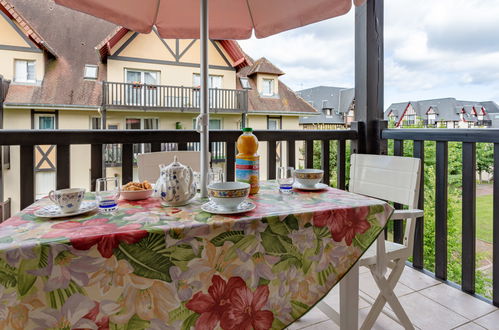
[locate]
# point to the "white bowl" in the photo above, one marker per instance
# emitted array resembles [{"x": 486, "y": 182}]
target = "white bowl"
[
  {"x": 135, "y": 195},
  {"x": 309, "y": 177},
  {"x": 228, "y": 195}
]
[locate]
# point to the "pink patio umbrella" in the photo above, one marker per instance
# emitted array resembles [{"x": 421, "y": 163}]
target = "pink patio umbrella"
[{"x": 229, "y": 19}]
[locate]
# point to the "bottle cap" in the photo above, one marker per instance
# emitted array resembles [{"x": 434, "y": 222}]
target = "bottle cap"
[{"x": 247, "y": 129}]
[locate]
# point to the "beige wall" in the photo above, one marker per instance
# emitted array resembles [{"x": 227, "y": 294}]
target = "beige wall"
[
  {"x": 7, "y": 58},
  {"x": 10, "y": 37},
  {"x": 149, "y": 46},
  {"x": 14, "y": 119}
]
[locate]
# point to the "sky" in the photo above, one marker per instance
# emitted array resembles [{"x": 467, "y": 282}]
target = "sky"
[{"x": 433, "y": 49}]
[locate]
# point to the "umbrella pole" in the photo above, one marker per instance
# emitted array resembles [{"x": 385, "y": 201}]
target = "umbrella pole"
[{"x": 204, "y": 113}]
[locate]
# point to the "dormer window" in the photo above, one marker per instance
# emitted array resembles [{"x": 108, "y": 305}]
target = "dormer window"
[
  {"x": 328, "y": 112},
  {"x": 324, "y": 104},
  {"x": 25, "y": 71},
  {"x": 90, "y": 72},
  {"x": 268, "y": 87},
  {"x": 245, "y": 83},
  {"x": 432, "y": 117}
]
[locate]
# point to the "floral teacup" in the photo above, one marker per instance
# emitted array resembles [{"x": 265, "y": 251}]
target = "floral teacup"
[{"x": 69, "y": 200}]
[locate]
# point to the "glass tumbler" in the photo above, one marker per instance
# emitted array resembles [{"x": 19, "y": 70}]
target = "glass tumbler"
[
  {"x": 215, "y": 175},
  {"x": 285, "y": 178},
  {"x": 107, "y": 193}
]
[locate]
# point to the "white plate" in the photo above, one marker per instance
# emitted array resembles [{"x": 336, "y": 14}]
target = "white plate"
[
  {"x": 318, "y": 186},
  {"x": 53, "y": 211},
  {"x": 211, "y": 207}
]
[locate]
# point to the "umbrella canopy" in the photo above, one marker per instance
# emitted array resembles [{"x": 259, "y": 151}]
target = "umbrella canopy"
[{"x": 229, "y": 19}]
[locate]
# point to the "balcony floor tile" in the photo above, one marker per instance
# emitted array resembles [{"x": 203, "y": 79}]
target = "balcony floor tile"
[
  {"x": 489, "y": 321},
  {"x": 433, "y": 306},
  {"x": 458, "y": 301},
  {"x": 417, "y": 280}
]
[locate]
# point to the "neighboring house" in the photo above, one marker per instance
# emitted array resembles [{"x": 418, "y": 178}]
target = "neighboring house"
[
  {"x": 445, "y": 112},
  {"x": 86, "y": 73},
  {"x": 334, "y": 104}
]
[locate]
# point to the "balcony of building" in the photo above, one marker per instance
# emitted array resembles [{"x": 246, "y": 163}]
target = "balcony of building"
[{"x": 140, "y": 96}]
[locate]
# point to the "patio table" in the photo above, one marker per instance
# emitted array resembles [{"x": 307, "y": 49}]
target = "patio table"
[{"x": 150, "y": 266}]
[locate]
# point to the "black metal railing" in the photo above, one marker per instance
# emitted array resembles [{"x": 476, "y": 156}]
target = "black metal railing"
[
  {"x": 113, "y": 152},
  {"x": 63, "y": 139},
  {"x": 146, "y": 96},
  {"x": 467, "y": 138}
]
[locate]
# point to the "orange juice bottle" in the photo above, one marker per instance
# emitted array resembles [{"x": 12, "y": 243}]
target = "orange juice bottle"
[{"x": 247, "y": 160}]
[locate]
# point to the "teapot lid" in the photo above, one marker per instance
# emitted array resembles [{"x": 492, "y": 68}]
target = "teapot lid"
[{"x": 175, "y": 163}]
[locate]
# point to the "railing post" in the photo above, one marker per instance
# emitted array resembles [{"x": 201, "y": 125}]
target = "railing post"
[
  {"x": 291, "y": 152},
  {"x": 495, "y": 227},
  {"x": 341, "y": 165},
  {"x": 309, "y": 153},
  {"x": 63, "y": 166},
  {"x": 441, "y": 210},
  {"x": 325, "y": 153},
  {"x": 469, "y": 217},
  {"x": 398, "y": 228},
  {"x": 27, "y": 174},
  {"x": 358, "y": 146},
  {"x": 418, "y": 249}
]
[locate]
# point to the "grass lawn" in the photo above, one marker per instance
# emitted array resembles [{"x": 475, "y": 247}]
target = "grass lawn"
[{"x": 484, "y": 218}]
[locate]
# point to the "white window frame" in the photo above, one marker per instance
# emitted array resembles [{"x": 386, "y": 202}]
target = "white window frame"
[
  {"x": 90, "y": 77},
  {"x": 196, "y": 80},
  {"x": 24, "y": 80},
  {"x": 142, "y": 146},
  {"x": 36, "y": 119},
  {"x": 138, "y": 98},
  {"x": 245, "y": 82},
  {"x": 272, "y": 82}
]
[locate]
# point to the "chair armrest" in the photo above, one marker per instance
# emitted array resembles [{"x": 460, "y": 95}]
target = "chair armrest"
[{"x": 406, "y": 214}]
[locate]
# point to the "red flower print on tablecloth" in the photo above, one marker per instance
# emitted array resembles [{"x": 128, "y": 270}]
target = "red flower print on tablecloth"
[
  {"x": 344, "y": 223},
  {"x": 107, "y": 236},
  {"x": 245, "y": 311},
  {"x": 213, "y": 305}
]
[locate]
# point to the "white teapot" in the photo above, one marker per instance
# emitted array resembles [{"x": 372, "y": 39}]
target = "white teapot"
[{"x": 175, "y": 185}]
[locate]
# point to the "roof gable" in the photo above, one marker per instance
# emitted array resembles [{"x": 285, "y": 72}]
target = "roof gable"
[
  {"x": 222, "y": 52},
  {"x": 17, "y": 34},
  {"x": 262, "y": 65}
]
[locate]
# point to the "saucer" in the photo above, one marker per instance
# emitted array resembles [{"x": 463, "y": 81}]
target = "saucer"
[
  {"x": 53, "y": 211},
  {"x": 318, "y": 186},
  {"x": 211, "y": 207}
]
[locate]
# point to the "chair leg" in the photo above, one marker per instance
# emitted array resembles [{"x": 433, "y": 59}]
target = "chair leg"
[{"x": 386, "y": 287}]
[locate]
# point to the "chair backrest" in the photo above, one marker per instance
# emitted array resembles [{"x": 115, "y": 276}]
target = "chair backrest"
[
  {"x": 148, "y": 164},
  {"x": 391, "y": 178}
]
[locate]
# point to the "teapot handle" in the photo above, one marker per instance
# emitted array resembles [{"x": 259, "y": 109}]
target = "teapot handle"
[{"x": 191, "y": 178}]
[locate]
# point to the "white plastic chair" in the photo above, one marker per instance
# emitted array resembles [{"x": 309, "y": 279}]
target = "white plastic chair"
[
  {"x": 394, "y": 179},
  {"x": 148, "y": 163}
]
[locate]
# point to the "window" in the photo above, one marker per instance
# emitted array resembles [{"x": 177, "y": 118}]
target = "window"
[
  {"x": 137, "y": 94},
  {"x": 25, "y": 71},
  {"x": 214, "y": 123},
  {"x": 95, "y": 123},
  {"x": 328, "y": 112},
  {"x": 44, "y": 121},
  {"x": 274, "y": 124},
  {"x": 268, "y": 87},
  {"x": 432, "y": 119},
  {"x": 245, "y": 83},
  {"x": 90, "y": 71},
  {"x": 45, "y": 174},
  {"x": 214, "y": 81},
  {"x": 141, "y": 123}
]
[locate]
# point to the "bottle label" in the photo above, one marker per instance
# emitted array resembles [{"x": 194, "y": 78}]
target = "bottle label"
[{"x": 247, "y": 171}]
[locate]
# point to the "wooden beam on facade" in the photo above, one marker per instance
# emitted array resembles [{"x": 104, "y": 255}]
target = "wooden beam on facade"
[{"x": 369, "y": 82}]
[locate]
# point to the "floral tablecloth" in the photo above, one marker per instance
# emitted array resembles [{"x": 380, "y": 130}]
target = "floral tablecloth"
[{"x": 153, "y": 267}]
